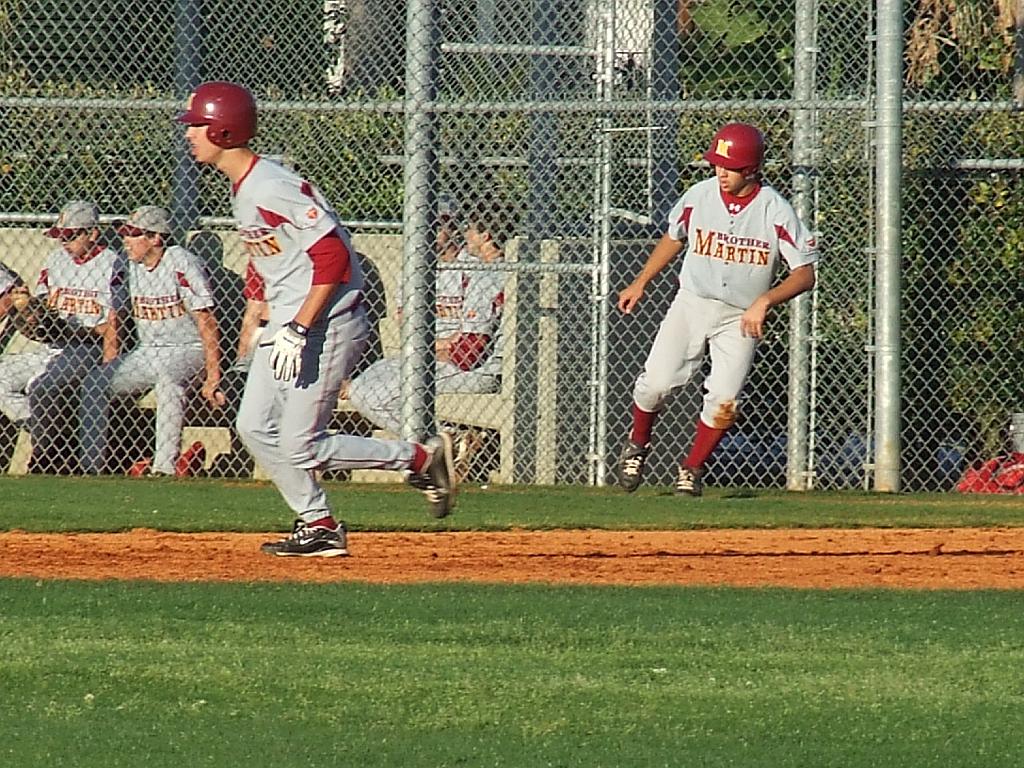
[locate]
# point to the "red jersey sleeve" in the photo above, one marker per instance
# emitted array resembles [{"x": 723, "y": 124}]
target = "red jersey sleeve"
[{"x": 331, "y": 260}]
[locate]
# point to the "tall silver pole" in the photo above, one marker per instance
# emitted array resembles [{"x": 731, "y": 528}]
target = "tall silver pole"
[
  {"x": 799, "y": 473},
  {"x": 602, "y": 289},
  {"x": 889, "y": 165},
  {"x": 419, "y": 224}
]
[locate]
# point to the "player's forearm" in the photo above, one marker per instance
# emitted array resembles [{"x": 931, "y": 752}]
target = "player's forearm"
[
  {"x": 316, "y": 300},
  {"x": 250, "y": 322},
  {"x": 210, "y": 336},
  {"x": 664, "y": 252},
  {"x": 110, "y": 333},
  {"x": 798, "y": 281}
]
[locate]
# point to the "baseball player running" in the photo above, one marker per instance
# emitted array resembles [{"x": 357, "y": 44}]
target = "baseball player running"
[
  {"x": 734, "y": 228},
  {"x": 82, "y": 282},
  {"x": 172, "y": 306},
  {"x": 312, "y": 283}
]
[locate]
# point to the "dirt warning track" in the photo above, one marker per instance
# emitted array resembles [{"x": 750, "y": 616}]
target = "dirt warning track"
[{"x": 953, "y": 558}]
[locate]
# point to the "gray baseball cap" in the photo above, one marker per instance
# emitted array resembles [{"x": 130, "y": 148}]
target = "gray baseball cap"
[
  {"x": 148, "y": 218},
  {"x": 75, "y": 216}
]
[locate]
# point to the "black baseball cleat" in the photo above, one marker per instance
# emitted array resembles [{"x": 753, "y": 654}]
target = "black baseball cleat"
[
  {"x": 688, "y": 483},
  {"x": 437, "y": 480},
  {"x": 631, "y": 465},
  {"x": 307, "y": 541}
]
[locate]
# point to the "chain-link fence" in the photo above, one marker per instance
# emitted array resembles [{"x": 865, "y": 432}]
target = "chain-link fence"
[{"x": 569, "y": 128}]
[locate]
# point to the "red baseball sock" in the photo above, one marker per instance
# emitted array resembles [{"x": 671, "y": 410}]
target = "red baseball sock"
[
  {"x": 420, "y": 457},
  {"x": 704, "y": 444},
  {"x": 643, "y": 423},
  {"x": 324, "y": 522}
]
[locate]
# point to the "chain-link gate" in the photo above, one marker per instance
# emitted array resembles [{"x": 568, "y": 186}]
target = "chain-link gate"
[{"x": 566, "y": 129}]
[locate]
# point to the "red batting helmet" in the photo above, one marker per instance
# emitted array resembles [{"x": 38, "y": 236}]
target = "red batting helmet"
[
  {"x": 736, "y": 146},
  {"x": 226, "y": 109}
]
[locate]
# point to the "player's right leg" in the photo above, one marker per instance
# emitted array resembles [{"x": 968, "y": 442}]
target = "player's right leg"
[
  {"x": 732, "y": 356},
  {"x": 177, "y": 369}
]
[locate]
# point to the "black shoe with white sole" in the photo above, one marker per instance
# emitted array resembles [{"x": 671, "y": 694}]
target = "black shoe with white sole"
[
  {"x": 310, "y": 541},
  {"x": 631, "y": 465},
  {"x": 437, "y": 480},
  {"x": 688, "y": 483}
]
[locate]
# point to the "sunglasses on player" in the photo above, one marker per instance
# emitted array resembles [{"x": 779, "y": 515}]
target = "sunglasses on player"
[{"x": 68, "y": 236}]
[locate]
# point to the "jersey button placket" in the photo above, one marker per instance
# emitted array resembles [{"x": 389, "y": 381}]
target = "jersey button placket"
[{"x": 732, "y": 227}]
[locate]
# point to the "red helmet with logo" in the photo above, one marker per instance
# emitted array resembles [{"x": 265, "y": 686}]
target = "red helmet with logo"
[
  {"x": 736, "y": 146},
  {"x": 226, "y": 109}
]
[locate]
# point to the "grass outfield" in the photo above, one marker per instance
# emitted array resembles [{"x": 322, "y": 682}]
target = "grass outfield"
[
  {"x": 129, "y": 674},
  {"x": 38, "y": 503},
  {"x": 95, "y": 674}
]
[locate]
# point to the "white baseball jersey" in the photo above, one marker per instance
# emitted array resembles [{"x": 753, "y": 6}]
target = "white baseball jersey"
[
  {"x": 163, "y": 298},
  {"x": 83, "y": 290},
  {"x": 472, "y": 367},
  {"x": 732, "y": 255},
  {"x": 280, "y": 217},
  {"x": 449, "y": 294},
  {"x": 482, "y": 302}
]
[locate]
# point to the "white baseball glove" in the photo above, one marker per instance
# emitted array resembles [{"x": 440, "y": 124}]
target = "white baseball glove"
[{"x": 286, "y": 356}]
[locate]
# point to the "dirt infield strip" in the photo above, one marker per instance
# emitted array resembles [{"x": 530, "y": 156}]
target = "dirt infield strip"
[{"x": 958, "y": 558}]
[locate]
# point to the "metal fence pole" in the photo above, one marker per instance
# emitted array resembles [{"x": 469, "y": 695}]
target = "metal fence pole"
[
  {"x": 798, "y": 475},
  {"x": 601, "y": 280},
  {"x": 188, "y": 38},
  {"x": 889, "y": 160},
  {"x": 542, "y": 187},
  {"x": 419, "y": 257}
]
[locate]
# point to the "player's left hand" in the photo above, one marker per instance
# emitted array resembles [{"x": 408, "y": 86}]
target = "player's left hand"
[
  {"x": 630, "y": 296},
  {"x": 286, "y": 356},
  {"x": 212, "y": 392},
  {"x": 752, "y": 321}
]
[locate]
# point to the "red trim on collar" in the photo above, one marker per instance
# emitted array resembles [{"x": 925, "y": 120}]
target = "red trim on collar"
[
  {"x": 736, "y": 204},
  {"x": 237, "y": 184}
]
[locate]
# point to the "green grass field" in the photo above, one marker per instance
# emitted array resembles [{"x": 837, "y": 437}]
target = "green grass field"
[
  {"x": 152, "y": 675},
  {"x": 38, "y": 503}
]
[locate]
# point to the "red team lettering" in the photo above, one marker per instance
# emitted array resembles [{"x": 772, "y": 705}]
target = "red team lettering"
[
  {"x": 75, "y": 301},
  {"x": 726, "y": 247},
  {"x": 160, "y": 308}
]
